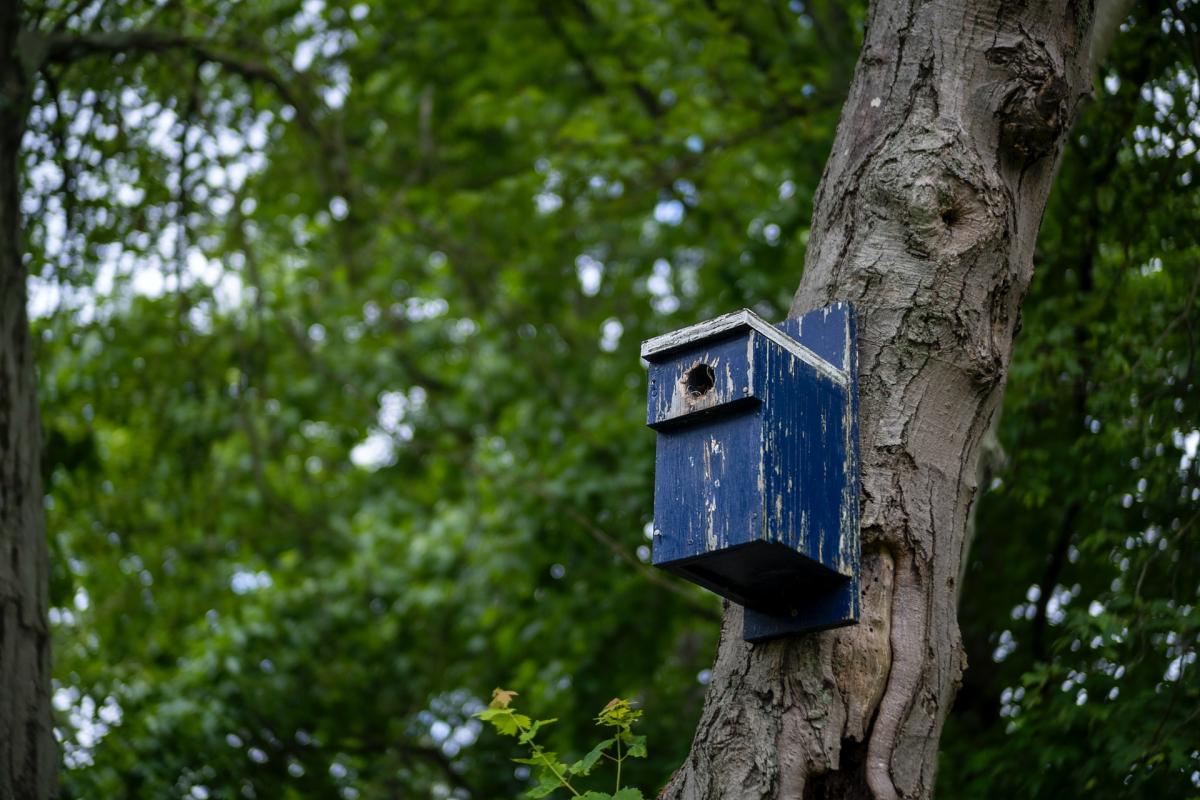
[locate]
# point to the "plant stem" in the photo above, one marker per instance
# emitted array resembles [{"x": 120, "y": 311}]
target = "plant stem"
[
  {"x": 619, "y": 759},
  {"x": 537, "y": 751},
  {"x": 558, "y": 775}
]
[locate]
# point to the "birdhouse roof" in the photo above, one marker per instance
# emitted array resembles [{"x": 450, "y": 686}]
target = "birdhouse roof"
[{"x": 661, "y": 347}]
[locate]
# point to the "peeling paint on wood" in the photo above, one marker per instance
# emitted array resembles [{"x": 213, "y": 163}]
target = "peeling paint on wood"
[
  {"x": 734, "y": 322},
  {"x": 756, "y": 489}
]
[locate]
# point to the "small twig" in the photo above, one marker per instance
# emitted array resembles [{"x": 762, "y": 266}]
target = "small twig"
[
  {"x": 600, "y": 535},
  {"x": 1137, "y": 591},
  {"x": 1183, "y": 316}
]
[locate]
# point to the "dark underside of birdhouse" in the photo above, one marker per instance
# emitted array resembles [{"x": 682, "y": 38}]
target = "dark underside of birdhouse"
[{"x": 768, "y": 576}]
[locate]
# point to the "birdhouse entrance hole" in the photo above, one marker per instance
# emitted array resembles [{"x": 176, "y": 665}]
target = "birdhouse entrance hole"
[{"x": 698, "y": 380}]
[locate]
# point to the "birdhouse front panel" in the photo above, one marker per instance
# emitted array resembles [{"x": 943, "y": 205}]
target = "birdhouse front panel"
[
  {"x": 756, "y": 488},
  {"x": 711, "y": 376},
  {"x": 709, "y": 499}
]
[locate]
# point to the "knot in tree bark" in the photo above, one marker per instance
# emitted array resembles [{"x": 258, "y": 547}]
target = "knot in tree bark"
[
  {"x": 948, "y": 204},
  {"x": 1033, "y": 111}
]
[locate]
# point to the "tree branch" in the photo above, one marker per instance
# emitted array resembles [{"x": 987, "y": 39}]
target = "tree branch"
[
  {"x": 1109, "y": 16},
  {"x": 70, "y": 48},
  {"x": 706, "y": 611},
  {"x": 291, "y": 88},
  {"x": 595, "y": 84},
  {"x": 1055, "y": 563}
]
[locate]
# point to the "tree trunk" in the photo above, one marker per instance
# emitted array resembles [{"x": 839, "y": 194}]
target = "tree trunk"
[
  {"x": 926, "y": 220},
  {"x": 27, "y": 751}
]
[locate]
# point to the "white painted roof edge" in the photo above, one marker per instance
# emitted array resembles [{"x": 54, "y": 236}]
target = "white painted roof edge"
[{"x": 743, "y": 318}]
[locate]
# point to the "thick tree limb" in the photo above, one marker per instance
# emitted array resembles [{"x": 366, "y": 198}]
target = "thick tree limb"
[{"x": 1109, "y": 16}]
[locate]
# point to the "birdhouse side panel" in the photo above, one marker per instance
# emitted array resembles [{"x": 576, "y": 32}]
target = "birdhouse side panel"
[
  {"x": 804, "y": 460},
  {"x": 828, "y": 332}
]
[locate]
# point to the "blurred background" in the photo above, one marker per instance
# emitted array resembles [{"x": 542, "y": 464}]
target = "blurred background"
[{"x": 338, "y": 307}]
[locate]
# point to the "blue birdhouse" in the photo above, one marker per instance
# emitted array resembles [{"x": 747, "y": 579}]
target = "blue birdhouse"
[{"x": 756, "y": 469}]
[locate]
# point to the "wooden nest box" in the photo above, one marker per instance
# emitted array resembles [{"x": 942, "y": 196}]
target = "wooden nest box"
[{"x": 756, "y": 472}]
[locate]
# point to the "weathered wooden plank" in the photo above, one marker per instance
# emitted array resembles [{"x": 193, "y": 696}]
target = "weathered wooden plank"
[{"x": 732, "y": 323}]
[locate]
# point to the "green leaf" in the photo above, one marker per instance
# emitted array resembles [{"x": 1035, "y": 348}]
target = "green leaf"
[
  {"x": 584, "y": 765},
  {"x": 545, "y": 786},
  {"x": 619, "y": 713},
  {"x": 636, "y": 743},
  {"x": 528, "y": 735},
  {"x": 489, "y": 714},
  {"x": 504, "y": 720}
]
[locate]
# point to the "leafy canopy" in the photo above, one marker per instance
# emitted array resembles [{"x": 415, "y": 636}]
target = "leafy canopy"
[{"x": 337, "y": 308}]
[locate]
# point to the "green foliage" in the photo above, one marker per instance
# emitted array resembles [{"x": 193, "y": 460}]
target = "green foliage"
[
  {"x": 341, "y": 391},
  {"x": 1080, "y": 610},
  {"x": 553, "y": 774},
  {"x": 337, "y": 309}
]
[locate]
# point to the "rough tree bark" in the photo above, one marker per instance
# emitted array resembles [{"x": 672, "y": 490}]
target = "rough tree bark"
[
  {"x": 926, "y": 220},
  {"x": 27, "y": 751}
]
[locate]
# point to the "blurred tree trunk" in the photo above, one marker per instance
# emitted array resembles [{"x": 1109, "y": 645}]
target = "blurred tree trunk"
[
  {"x": 926, "y": 220},
  {"x": 27, "y": 751}
]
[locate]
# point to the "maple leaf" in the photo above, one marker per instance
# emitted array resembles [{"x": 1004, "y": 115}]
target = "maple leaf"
[{"x": 501, "y": 698}]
